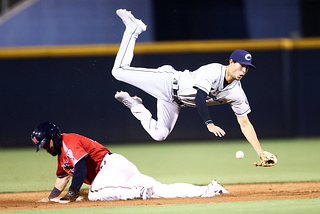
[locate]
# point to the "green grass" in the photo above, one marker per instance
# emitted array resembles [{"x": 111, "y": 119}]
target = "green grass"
[
  {"x": 192, "y": 162},
  {"x": 298, "y": 206},
  {"x": 200, "y": 162}
]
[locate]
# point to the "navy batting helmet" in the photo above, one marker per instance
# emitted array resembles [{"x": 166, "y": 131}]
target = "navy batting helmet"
[{"x": 45, "y": 131}]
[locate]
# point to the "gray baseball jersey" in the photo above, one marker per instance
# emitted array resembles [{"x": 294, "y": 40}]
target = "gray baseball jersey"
[{"x": 210, "y": 78}]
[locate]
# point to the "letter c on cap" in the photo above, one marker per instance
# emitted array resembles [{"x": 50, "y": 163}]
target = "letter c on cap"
[{"x": 247, "y": 57}]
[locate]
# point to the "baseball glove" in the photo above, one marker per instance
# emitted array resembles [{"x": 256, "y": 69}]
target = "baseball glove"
[{"x": 267, "y": 159}]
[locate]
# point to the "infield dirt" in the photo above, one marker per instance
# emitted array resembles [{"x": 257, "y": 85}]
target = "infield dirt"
[{"x": 241, "y": 192}]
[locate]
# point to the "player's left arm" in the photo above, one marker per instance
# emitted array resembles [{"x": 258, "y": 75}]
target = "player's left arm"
[
  {"x": 203, "y": 110},
  {"x": 249, "y": 132},
  {"x": 79, "y": 175}
]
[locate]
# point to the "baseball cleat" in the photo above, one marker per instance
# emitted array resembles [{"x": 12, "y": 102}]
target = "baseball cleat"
[
  {"x": 218, "y": 188},
  {"x": 129, "y": 20},
  {"x": 127, "y": 100},
  {"x": 146, "y": 193},
  {"x": 67, "y": 201}
]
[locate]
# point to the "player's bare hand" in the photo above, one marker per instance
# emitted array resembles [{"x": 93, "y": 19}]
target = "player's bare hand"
[
  {"x": 216, "y": 130},
  {"x": 44, "y": 200}
]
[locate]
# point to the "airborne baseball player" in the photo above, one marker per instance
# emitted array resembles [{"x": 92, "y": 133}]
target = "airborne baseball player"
[
  {"x": 111, "y": 176},
  {"x": 212, "y": 84}
]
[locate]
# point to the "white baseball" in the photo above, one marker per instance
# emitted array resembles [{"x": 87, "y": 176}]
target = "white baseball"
[{"x": 239, "y": 154}]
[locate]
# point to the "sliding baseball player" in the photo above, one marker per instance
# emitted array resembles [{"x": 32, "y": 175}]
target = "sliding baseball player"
[{"x": 111, "y": 176}]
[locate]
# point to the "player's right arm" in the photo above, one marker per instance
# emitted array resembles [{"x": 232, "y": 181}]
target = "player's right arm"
[
  {"x": 203, "y": 110},
  {"x": 61, "y": 183},
  {"x": 249, "y": 132}
]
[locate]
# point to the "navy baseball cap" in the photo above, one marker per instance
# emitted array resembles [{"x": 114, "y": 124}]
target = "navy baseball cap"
[{"x": 243, "y": 57}]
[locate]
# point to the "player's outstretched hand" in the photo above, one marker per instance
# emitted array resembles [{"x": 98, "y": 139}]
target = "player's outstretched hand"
[
  {"x": 216, "y": 130},
  {"x": 44, "y": 200}
]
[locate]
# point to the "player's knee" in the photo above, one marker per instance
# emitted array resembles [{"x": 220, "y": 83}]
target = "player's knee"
[
  {"x": 118, "y": 73},
  {"x": 159, "y": 138},
  {"x": 160, "y": 135},
  {"x": 91, "y": 197},
  {"x": 115, "y": 72}
]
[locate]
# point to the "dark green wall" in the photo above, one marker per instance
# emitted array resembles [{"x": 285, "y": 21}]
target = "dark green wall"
[{"x": 78, "y": 95}]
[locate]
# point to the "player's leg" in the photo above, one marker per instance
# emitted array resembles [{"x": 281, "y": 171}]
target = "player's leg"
[
  {"x": 187, "y": 190},
  {"x": 160, "y": 190},
  {"x": 152, "y": 81},
  {"x": 110, "y": 182},
  {"x": 121, "y": 68},
  {"x": 156, "y": 82},
  {"x": 167, "y": 190},
  {"x": 133, "y": 28},
  {"x": 167, "y": 114}
]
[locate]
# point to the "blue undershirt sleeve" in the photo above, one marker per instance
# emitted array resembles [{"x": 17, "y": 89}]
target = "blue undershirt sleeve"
[
  {"x": 79, "y": 174},
  {"x": 202, "y": 106}
]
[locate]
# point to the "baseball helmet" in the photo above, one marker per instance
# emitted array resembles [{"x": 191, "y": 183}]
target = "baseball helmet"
[{"x": 45, "y": 131}]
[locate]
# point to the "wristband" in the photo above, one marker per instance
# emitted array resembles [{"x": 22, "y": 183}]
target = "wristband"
[
  {"x": 54, "y": 193},
  {"x": 208, "y": 121}
]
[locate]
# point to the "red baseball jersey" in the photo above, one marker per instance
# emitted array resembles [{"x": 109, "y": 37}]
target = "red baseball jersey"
[{"x": 74, "y": 148}]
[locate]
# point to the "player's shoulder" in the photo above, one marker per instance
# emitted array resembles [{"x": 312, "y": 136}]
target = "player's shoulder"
[
  {"x": 211, "y": 69},
  {"x": 236, "y": 86},
  {"x": 70, "y": 137},
  {"x": 212, "y": 66},
  {"x": 238, "y": 83}
]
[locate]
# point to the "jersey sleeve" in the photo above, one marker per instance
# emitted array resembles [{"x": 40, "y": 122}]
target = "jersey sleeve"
[
  {"x": 60, "y": 171},
  {"x": 241, "y": 107},
  {"x": 74, "y": 149},
  {"x": 205, "y": 77}
]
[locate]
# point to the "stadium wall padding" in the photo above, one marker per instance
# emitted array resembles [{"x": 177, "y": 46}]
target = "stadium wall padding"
[{"x": 77, "y": 93}]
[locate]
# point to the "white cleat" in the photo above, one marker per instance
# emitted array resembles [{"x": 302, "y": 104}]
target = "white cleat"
[
  {"x": 146, "y": 193},
  {"x": 130, "y": 21},
  {"x": 127, "y": 100},
  {"x": 214, "y": 188},
  {"x": 218, "y": 188}
]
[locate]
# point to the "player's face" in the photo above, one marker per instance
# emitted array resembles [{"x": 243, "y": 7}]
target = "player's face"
[
  {"x": 237, "y": 70},
  {"x": 50, "y": 148}
]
